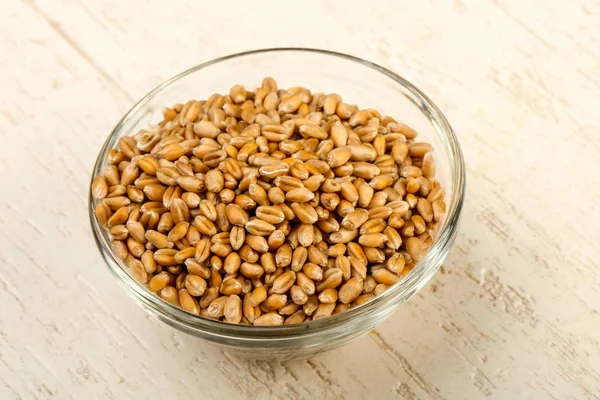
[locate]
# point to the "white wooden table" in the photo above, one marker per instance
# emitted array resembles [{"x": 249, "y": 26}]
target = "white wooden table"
[{"x": 515, "y": 312}]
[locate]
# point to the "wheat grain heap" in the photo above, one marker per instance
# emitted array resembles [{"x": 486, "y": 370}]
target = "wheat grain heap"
[{"x": 271, "y": 206}]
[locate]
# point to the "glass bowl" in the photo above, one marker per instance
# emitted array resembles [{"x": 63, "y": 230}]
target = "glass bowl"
[{"x": 358, "y": 82}]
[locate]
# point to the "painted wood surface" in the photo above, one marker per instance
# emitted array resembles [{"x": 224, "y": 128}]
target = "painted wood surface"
[{"x": 515, "y": 312}]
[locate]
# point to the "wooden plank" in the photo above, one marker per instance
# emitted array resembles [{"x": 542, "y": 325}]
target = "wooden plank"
[{"x": 514, "y": 313}]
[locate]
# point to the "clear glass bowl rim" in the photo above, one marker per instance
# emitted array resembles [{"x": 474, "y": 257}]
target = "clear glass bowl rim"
[{"x": 420, "y": 274}]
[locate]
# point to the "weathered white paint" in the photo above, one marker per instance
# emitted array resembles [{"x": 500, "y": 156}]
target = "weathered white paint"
[{"x": 515, "y": 311}]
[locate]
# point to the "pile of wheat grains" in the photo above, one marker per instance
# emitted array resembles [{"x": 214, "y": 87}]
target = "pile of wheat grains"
[{"x": 270, "y": 207}]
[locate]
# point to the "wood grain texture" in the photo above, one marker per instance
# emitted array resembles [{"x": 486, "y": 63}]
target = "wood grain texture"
[{"x": 515, "y": 311}]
